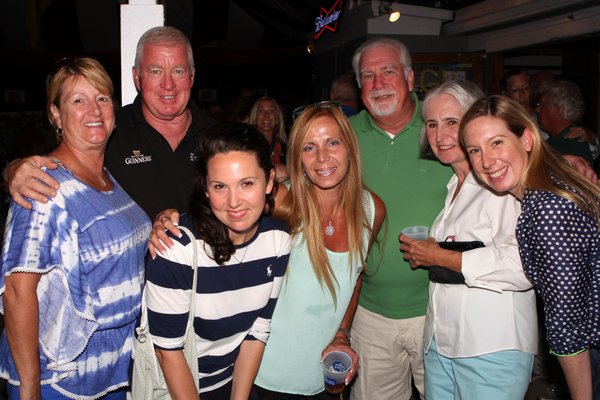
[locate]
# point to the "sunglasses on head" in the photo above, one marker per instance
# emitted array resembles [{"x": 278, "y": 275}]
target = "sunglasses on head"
[
  {"x": 59, "y": 65},
  {"x": 322, "y": 104}
]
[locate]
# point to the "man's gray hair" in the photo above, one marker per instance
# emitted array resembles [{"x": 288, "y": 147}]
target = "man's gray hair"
[
  {"x": 567, "y": 96},
  {"x": 397, "y": 45},
  {"x": 164, "y": 36}
]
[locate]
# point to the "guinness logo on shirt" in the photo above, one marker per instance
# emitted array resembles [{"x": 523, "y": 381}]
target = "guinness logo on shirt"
[
  {"x": 137, "y": 158},
  {"x": 194, "y": 157}
]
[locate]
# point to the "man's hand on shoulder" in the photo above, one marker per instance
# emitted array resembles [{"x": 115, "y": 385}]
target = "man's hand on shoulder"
[
  {"x": 166, "y": 220},
  {"x": 25, "y": 178},
  {"x": 582, "y": 166},
  {"x": 582, "y": 134}
]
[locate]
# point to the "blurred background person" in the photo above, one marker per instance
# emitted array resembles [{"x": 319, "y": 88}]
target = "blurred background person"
[
  {"x": 515, "y": 84},
  {"x": 560, "y": 109},
  {"x": 345, "y": 91},
  {"x": 333, "y": 219},
  {"x": 481, "y": 333},
  {"x": 266, "y": 115},
  {"x": 557, "y": 231},
  {"x": 238, "y": 109},
  {"x": 537, "y": 79},
  {"x": 73, "y": 268}
]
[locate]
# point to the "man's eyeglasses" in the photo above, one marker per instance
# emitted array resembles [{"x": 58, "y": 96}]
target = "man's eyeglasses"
[
  {"x": 322, "y": 104},
  {"x": 519, "y": 89}
]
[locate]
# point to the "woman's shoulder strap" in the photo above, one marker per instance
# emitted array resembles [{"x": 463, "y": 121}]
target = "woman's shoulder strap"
[{"x": 369, "y": 206}]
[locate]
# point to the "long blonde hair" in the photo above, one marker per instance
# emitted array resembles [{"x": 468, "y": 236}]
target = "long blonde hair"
[
  {"x": 279, "y": 131},
  {"x": 301, "y": 209},
  {"x": 545, "y": 170}
]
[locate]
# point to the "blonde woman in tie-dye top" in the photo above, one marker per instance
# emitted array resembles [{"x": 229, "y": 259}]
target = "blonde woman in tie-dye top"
[{"x": 72, "y": 270}]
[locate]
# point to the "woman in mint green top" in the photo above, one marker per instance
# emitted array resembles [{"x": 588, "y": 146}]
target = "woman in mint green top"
[{"x": 332, "y": 218}]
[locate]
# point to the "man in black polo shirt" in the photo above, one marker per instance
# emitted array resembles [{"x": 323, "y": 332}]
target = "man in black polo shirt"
[{"x": 151, "y": 154}]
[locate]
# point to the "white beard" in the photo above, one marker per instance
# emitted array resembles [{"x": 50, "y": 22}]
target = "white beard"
[{"x": 383, "y": 109}]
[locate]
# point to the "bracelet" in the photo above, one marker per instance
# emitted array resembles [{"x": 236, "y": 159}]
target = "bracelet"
[{"x": 346, "y": 333}]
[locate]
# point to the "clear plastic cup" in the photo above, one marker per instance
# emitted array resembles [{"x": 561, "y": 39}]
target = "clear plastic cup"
[
  {"x": 416, "y": 232},
  {"x": 336, "y": 365}
]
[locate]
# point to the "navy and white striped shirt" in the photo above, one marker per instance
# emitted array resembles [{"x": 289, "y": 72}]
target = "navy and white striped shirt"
[{"x": 234, "y": 302}]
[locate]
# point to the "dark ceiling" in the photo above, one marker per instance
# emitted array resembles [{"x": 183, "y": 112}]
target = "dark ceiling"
[{"x": 285, "y": 23}]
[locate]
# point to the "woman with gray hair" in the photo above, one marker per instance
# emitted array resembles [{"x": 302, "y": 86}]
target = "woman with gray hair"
[{"x": 480, "y": 328}]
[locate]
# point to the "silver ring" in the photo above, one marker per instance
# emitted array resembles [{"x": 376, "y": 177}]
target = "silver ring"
[{"x": 162, "y": 219}]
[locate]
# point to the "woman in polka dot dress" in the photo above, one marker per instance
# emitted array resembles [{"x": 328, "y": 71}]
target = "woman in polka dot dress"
[{"x": 557, "y": 231}]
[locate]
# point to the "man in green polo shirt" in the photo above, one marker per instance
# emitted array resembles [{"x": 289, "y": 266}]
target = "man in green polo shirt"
[{"x": 387, "y": 330}]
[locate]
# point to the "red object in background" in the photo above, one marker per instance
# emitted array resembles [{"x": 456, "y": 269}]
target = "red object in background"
[{"x": 328, "y": 19}]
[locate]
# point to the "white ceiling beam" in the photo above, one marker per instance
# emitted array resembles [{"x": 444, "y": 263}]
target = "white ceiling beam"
[
  {"x": 567, "y": 25},
  {"x": 495, "y": 13}
]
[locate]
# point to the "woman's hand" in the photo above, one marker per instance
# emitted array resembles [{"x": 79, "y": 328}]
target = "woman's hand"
[
  {"x": 166, "y": 220},
  {"x": 428, "y": 252},
  {"x": 340, "y": 343},
  {"x": 419, "y": 252}
]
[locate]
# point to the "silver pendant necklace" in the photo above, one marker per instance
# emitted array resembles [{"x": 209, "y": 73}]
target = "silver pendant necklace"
[
  {"x": 329, "y": 229},
  {"x": 89, "y": 170},
  {"x": 243, "y": 256}
]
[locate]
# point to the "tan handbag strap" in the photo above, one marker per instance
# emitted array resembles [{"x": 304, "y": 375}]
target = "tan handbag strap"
[{"x": 143, "y": 328}]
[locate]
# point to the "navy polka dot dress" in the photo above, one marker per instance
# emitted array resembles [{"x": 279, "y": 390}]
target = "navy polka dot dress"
[{"x": 560, "y": 252}]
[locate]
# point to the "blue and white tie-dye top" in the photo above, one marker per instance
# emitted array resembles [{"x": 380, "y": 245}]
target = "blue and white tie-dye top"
[{"x": 89, "y": 248}]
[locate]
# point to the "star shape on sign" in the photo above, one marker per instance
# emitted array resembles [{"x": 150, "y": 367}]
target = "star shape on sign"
[{"x": 328, "y": 19}]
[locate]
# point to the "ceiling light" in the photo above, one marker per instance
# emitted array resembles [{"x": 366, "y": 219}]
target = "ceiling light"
[{"x": 393, "y": 16}]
